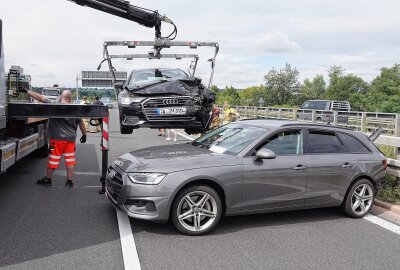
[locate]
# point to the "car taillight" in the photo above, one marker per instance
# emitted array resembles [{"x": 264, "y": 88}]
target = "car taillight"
[{"x": 384, "y": 162}]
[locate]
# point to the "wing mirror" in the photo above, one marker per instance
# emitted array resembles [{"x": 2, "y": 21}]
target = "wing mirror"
[
  {"x": 264, "y": 153},
  {"x": 119, "y": 86}
]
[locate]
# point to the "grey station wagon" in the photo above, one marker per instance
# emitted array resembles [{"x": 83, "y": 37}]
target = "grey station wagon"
[{"x": 247, "y": 167}]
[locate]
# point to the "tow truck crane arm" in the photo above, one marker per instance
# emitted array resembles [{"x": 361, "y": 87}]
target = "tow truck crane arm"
[{"x": 121, "y": 8}]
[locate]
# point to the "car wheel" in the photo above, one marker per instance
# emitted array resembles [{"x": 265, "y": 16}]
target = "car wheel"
[
  {"x": 196, "y": 210},
  {"x": 126, "y": 130},
  {"x": 319, "y": 119},
  {"x": 359, "y": 199}
]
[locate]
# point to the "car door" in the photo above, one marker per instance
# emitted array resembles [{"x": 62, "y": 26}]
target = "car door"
[
  {"x": 279, "y": 182},
  {"x": 331, "y": 167}
]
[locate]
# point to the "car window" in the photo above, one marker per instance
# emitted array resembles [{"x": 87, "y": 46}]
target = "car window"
[
  {"x": 229, "y": 139},
  {"x": 354, "y": 145},
  {"x": 320, "y": 105},
  {"x": 305, "y": 105},
  {"x": 324, "y": 142},
  {"x": 288, "y": 142}
]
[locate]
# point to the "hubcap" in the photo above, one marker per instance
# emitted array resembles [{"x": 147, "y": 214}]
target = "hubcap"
[
  {"x": 361, "y": 200},
  {"x": 197, "y": 211}
]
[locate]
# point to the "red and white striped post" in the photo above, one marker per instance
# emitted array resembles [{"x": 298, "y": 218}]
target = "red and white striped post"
[{"x": 104, "y": 154}]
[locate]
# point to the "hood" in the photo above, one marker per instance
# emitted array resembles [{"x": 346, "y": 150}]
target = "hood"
[
  {"x": 189, "y": 86},
  {"x": 170, "y": 158}
]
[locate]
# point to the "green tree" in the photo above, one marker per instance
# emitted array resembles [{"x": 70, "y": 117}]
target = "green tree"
[
  {"x": 280, "y": 85},
  {"x": 251, "y": 95},
  {"x": 345, "y": 87},
  {"x": 312, "y": 89},
  {"x": 229, "y": 94}
]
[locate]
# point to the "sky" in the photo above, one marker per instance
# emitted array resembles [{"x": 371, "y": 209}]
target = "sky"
[{"x": 53, "y": 40}]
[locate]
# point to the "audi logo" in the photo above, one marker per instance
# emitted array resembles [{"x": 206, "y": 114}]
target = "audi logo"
[{"x": 170, "y": 101}]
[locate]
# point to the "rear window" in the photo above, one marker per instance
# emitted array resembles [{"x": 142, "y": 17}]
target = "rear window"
[
  {"x": 354, "y": 145},
  {"x": 324, "y": 142}
]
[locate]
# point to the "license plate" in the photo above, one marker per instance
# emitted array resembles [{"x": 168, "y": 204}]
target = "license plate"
[{"x": 171, "y": 111}]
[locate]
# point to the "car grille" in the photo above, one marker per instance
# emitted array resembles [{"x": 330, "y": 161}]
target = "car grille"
[
  {"x": 114, "y": 184},
  {"x": 151, "y": 105}
]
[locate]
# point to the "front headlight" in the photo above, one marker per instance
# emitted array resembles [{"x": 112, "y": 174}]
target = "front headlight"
[
  {"x": 129, "y": 100},
  {"x": 146, "y": 178}
]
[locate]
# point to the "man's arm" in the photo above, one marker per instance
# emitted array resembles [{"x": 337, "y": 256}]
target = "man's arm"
[
  {"x": 82, "y": 128},
  {"x": 34, "y": 95}
]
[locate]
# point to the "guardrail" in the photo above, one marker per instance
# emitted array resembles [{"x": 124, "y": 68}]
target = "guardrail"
[{"x": 362, "y": 121}]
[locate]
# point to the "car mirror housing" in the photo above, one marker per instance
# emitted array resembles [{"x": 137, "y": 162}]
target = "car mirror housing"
[
  {"x": 119, "y": 86},
  {"x": 264, "y": 153}
]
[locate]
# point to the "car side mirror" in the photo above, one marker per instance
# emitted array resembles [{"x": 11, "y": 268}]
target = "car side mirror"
[
  {"x": 264, "y": 153},
  {"x": 119, "y": 86}
]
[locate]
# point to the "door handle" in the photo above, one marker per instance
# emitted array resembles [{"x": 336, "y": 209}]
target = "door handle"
[
  {"x": 347, "y": 165},
  {"x": 300, "y": 167}
]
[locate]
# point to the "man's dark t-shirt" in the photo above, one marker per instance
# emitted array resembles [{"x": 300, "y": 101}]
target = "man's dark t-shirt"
[{"x": 62, "y": 129}]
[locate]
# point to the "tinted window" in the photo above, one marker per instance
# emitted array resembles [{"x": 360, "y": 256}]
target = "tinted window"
[
  {"x": 318, "y": 105},
  {"x": 289, "y": 142},
  {"x": 324, "y": 142},
  {"x": 305, "y": 105},
  {"x": 354, "y": 145}
]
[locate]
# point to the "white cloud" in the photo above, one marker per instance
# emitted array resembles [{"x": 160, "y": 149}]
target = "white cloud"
[{"x": 276, "y": 43}]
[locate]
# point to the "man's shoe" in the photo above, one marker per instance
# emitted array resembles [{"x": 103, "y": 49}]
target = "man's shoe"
[
  {"x": 44, "y": 181},
  {"x": 69, "y": 183}
]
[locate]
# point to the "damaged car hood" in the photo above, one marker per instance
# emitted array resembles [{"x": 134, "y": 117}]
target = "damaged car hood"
[{"x": 189, "y": 86}]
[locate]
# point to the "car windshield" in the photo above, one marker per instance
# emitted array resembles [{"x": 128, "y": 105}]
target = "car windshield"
[
  {"x": 229, "y": 139},
  {"x": 143, "y": 77}
]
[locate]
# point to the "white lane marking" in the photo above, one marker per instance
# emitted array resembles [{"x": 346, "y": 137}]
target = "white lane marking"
[
  {"x": 383, "y": 223},
  {"x": 129, "y": 252},
  {"x": 185, "y": 136}
]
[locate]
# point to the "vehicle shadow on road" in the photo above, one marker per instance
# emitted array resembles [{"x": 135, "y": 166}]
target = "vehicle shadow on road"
[{"x": 233, "y": 224}]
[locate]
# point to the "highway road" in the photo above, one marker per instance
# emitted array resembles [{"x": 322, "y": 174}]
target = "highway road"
[{"x": 59, "y": 228}]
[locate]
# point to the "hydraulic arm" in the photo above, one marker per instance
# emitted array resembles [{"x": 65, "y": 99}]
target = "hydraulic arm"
[{"x": 124, "y": 9}]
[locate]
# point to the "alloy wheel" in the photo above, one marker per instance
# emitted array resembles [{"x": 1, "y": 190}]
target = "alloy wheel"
[
  {"x": 197, "y": 211},
  {"x": 361, "y": 200}
]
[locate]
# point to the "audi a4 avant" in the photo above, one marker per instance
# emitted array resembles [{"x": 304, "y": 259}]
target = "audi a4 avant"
[{"x": 247, "y": 167}]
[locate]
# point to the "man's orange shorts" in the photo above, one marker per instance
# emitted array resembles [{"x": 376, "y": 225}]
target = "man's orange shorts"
[{"x": 57, "y": 149}]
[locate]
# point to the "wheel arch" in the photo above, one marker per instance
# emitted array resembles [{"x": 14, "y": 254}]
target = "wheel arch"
[
  {"x": 201, "y": 181},
  {"x": 358, "y": 177}
]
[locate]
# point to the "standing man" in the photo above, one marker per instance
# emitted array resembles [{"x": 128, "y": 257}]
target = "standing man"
[
  {"x": 62, "y": 133},
  {"x": 85, "y": 121}
]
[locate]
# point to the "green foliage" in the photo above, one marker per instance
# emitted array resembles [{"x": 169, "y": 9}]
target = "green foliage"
[
  {"x": 281, "y": 85},
  {"x": 229, "y": 94},
  {"x": 251, "y": 95},
  {"x": 311, "y": 89},
  {"x": 391, "y": 191},
  {"x": 342, "y": 87}
]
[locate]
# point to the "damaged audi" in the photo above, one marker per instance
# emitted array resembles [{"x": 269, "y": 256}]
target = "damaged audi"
[{"x": 164, "y": 98}]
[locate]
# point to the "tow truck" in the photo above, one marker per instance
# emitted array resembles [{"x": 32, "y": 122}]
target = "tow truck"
[{"x": 173, "y": 102}]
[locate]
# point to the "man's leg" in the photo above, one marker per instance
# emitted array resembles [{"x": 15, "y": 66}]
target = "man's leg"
[
  {"x": 70, "y": 171},
  {"x": 56, "y": 148},
  {"x": 69, "y": 155}
]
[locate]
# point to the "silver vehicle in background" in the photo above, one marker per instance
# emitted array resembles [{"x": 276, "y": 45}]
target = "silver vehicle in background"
[
  {"x": 248, "y": 167},
  {"x": 107, "y": 101},
  {"x": 324, "y": 110}
]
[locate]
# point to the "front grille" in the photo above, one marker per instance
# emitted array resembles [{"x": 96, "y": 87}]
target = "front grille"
[
  {"x": 114, "y": 184},
  {"x": 151, "y": 105}
]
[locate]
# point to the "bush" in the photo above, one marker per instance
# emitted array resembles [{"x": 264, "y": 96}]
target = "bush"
[{"x": 390, "y": 192}]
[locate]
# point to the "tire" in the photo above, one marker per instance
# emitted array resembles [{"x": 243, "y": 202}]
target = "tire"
[
  {"x": 126, "y": 130},
  {"x": 319, "y": 119},
  {"x": 359, "y": 199},
  {"x": 207, "y": 220}
]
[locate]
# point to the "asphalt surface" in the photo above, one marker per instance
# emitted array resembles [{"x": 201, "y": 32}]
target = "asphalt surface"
[{"x": 59, "y": 228}]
